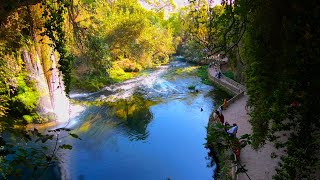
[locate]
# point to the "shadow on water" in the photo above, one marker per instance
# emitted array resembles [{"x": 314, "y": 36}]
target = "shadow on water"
[{"x": 131, "y": 116}]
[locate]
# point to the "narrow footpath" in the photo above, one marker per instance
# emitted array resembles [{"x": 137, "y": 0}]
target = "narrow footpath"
[{"x": 259, "y": 163}]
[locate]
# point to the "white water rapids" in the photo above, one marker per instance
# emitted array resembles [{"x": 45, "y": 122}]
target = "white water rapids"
[{"x": 152, "y": 86}]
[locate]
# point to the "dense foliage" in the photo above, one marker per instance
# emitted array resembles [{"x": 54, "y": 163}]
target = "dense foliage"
[
  {"x": 22, "y": 46},
  {"x": 281, "y": 52},
  {"x": 53, "y": 13}
]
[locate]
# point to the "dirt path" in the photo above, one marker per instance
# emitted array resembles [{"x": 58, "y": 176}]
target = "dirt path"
[{"x": 259, "y": 163}]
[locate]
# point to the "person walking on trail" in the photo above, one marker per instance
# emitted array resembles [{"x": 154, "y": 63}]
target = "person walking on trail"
[
  {"x": 224, "y": 104},
  {"x": 216, "y": 115},
  {"x": 221, "y": 118},
  {"x": 233, "y": 131},
  {"x": 226, "y": 127}
]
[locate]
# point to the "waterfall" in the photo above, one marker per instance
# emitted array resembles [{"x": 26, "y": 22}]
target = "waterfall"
[
  {"x": 60, "y": 102},
  {"x": 53, "y": 103}
]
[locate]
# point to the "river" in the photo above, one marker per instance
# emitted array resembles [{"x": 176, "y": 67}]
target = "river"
[{"x": 157, "y": 132}]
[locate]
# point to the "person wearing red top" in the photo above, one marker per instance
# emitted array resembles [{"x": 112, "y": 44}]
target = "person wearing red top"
[{"x": 221, "y": 118}]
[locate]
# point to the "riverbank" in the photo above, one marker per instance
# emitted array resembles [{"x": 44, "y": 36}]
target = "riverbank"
[{"x": 259, "y": 163}]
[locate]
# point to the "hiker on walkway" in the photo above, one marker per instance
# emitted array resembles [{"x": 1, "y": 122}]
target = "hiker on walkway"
[
  {"x": 225, "y": 104},
  {"x": 226, "y": 126},
  {"x": 216, "y": 74},
  {"x": 216, "y": 115},
  {"x": 221, "y": 118},
  {"x": 233, "y": 131},
  {"x": 236, "y": 148}
]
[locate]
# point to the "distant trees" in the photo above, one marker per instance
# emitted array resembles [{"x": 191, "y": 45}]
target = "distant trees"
[
  {"x": 120, "y": 37},
  {"x": 212, "y": 32}
]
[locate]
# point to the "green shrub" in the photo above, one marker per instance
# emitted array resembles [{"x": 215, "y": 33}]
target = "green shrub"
[
  {"x": 35, "y": 118},
  {"x": 203, "y": 74},
  {"x": 192, "y": 87},
  {"x": 28, "y": 118},
  {"x": 229, "y": 74},
  {"x": 187, "y": 70},
  {"x": 128, "y": 66},
  {"x": 90, "y": 83},
  {"x": 117, "y": 74},
  {"x": 25, "y": 98}
]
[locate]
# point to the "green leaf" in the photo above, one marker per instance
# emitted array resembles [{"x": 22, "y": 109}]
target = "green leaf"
[
  {"x": 46, "y": 138},
  {"x": 65, "y": 146},
  {"x": 74, "y": 136},
  {"x": 48, "y": 158}
]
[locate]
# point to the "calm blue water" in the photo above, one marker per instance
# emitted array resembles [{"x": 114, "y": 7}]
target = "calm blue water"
[{"x": 163, "y": 137}]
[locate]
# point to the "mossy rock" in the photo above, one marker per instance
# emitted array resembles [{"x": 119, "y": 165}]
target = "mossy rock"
[{"x": 48, "y": 117}]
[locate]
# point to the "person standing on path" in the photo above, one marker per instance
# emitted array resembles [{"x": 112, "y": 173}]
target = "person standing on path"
[
  {"x": 216, "y": 115},
  {"x": 233, "y": 131},
  {"x": 224, "y": 104},
  {"x": 221, "y": 118}
]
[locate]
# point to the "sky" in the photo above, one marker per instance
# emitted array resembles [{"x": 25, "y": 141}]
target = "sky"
[
  {"x": 181, "y": 3},
  {"x": 184, "y": 2}
]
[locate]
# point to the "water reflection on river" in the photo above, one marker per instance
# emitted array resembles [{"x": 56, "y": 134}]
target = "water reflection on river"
[{"x": 158, "y": 134}]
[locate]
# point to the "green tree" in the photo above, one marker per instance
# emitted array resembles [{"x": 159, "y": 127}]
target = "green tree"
[
  {"x": 120, "y": 37},
  {"x": 21, "y": 24},
  {"x": 277, "y": 43}
]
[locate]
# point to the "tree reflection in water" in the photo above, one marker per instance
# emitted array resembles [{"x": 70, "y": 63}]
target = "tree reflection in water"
[{"x": 134, "y": 113}]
